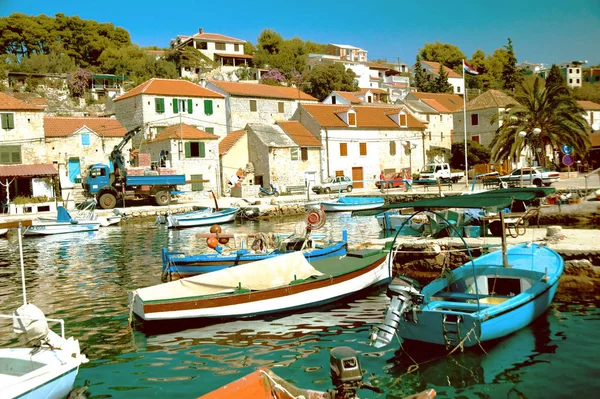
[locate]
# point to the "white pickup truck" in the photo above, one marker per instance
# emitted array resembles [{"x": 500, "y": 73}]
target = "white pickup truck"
[{"x": 440, "y": 171}]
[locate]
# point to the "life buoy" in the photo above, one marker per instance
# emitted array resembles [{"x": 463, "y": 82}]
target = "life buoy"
[
  {"x": 503, "y": 184},
  {"x": 315, "y": 219}
]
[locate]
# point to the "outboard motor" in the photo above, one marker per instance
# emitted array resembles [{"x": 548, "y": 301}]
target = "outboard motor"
[
  {"x": 404, "y": 296},
  {"x": 346, "y": 374}
]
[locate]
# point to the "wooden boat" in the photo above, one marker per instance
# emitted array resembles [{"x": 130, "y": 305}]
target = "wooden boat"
[
  {"x": 280, "y": 284},
  {"x": 341, "y": 204},
  {"x": 48, "y": 365},
  {"x": 63, "y": 223},
  {"x": 345, "y": 373},
  {"x": 179, "y": 265},
  {"x": 201, "y": 217},
  {"x": 484, "y": 299}
]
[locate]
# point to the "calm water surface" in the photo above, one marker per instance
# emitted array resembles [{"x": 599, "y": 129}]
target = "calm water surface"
[{"x": 85, "y": 279}]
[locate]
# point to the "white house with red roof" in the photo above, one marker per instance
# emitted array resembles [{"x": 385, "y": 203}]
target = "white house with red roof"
[
  {"x": 360, "y": 141},
  {"x": 227, "y": 52},
  {"x": 257, "y": 103},
  {"x": 432, "y": 69}
]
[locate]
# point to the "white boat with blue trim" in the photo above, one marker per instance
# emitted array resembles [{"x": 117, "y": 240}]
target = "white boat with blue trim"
[
  {"x": 342, "y": 204},
  {"x": 64, "y": 223},
  {"x": 201, "y": 217}
]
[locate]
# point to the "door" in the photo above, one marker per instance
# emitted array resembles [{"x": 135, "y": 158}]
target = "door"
[
  {"x": 357, "y": 176},
  {"x": 74, "y": 170}
]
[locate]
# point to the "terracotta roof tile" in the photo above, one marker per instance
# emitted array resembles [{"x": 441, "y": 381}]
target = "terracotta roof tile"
[
  {"x": 441, "y": 102},
  {"x": 435, "y": 68},
  {"x": 183, "y": 132},
  {"x": 59, "y": 126},
  {"x": 348, "y": 95},
  {"x": 170, "y": 87},
  {"x": 589, "y": 105},
  {"x": 9, "y": 103},
  {"x": 300, "y": 134},
  {"x": 376, "y": 65},
  {"x": 595, "y": 140},
  {"x": 229, "y": 141},
  {"x": 262, "y": 90},
  {"x": 490, "y": 99},
  {"x": 217, "y": 38},
  {"x": 27, "y": 170},
  {"x": 367, "y": 117},
  {"x": 233, "y": 55}
]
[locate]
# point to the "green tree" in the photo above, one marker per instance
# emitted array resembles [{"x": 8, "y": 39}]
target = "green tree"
[
  {"x": 421, "y": 80},
  {"x": 510, "y": 73},
  {"x": 557, "y": 115},
  {"x": 555, "y": 78},
  {"x": 323, "y": 79},
  {"x": 446, "y": 54},
  {"x": 441, "y": 84},
  {"x": 476, "y": 154},
  {"x": 587, "y": 92}
]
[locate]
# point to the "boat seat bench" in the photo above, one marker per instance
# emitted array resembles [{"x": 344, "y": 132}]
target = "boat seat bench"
[{"x": 463, "y": 296}]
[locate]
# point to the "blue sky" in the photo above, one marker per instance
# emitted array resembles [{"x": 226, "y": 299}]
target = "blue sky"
[{"x": 548, "y": 31}]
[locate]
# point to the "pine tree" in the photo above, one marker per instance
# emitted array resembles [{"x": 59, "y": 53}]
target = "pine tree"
[
  {"x": 420, "y": 82},
  {"x": 555, "y": 78},
  {"x": 510, "y": 73},
  {"x": 441, "y": 84}
]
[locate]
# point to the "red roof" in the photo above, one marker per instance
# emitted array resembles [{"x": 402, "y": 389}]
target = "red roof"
[
  {"x": 262, "y": 90},
  {"x": 27, "y": 170},
  {"x": 367, "y": 117},
  {"x": 228, "y": 141},
  {"x": 171, "y": 88},
  {"x": 59, "y": 126},
  {"x": 233, "y": 55},
  {"x": 348, "y": 95},
  {"x": 435, "y": 69},
  {"x": 9, "y": 103},
  {"x": 217, "y": 38},
  {"x": 184, "y": 132},
  {"x": 588, "y": 105},
  {"x": 300, "y": 134},
  {"x": 441, "y": 102}
]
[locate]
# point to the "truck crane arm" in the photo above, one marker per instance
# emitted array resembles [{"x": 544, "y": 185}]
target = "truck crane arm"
[{"x": 116, "y": 156}]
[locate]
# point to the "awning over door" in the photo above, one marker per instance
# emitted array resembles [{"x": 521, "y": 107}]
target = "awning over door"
[{"x": 38, "y": 170}]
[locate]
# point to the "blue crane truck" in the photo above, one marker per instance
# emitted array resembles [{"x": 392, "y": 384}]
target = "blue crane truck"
[{"x": 108, "y": 188}]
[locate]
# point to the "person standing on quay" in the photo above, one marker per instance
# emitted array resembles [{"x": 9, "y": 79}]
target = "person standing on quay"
[{"x": 382, "y": 181}]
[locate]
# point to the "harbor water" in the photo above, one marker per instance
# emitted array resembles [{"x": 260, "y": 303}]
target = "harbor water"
[{"x": 85, "y": 278}]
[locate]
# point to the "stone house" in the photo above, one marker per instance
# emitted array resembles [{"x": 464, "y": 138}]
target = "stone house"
[
  {"x": 484, "y": 116},
  {"x": 436, "y": 110},
  {"x": 234, "y": 160},
  {"x": 78, "y": 142},
  {"x": 159, "y": 103},
  {"x": 360, "y": 141},
  {"x": 283, "y": 154},
  {"x": 432, "y": 69},
  {"x": 189, "y": 151},
  {"x": 257, "y": 103}
]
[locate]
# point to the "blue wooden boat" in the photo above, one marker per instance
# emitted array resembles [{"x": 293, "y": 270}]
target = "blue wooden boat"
[
  {"x": 486, "y": 298},
  {"x": 179, "y": 265},
  {"x": 352, "y": 204},
  {"x": 202, "y": 217}
]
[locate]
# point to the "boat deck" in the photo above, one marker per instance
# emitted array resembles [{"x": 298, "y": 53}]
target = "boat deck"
[{"x": 354, "y": 260}]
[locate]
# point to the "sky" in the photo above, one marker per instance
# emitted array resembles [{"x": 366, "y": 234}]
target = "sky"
[{"x": 548, "y": 31}]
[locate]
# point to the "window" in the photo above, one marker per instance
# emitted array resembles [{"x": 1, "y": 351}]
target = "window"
[
  {"x": 281, "y": 107},
  {"x": 304, "y": 153},
  {"x": 209, "y": 130},
  {"x": 570, "y": 80},
  {"x": 369, "y": 99},
  {"x": 403, "y": 120},
  {"x": 197, "y": 182},
  {"x": 333, "y": 100},
  {"x": 208, "y": 107},
  {"x": 85, "y": 139},
  {"x": 475, "y": 138},
  {"x": 577, "y": 80},
  {"x": 190, "y": 106},
  {"x": 219, "y": 46},
  {"x": 362, "y": 148},
  {"x": 178, "y": 105},
  {"x": 159, "y": 105},
  {"x": 194, "y": 149},
  {"x": 343, "y": 150},
  {"x": 294, "y": 152},
  {"x": 352, "y": 119},
  {"x": 392, "y": 148},
  {"x": 203, "y": 46},
  {"x": 236, "y": 47},
  {"x": 252, "y": 105},
  {"x": 8, "y": 120},
  {"x": 570, "y": 71},
  {"x": 458, "y": 89},
  {"x": 474, "y": 119},
  {"x": 10, "y": 154}
]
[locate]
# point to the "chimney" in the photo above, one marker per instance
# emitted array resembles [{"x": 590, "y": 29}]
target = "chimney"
[{"x": 200, "y": 31}]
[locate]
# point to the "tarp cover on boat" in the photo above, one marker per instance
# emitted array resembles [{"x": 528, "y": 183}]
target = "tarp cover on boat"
[
  {"x": 260, "y": 275},
  {"x": 493, "y": 199}
]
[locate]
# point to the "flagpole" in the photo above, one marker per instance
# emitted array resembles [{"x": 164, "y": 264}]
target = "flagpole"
[{"x": 465, "y": 119}]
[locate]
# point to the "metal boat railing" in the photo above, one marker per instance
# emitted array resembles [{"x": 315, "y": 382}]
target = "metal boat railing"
[{"x": 29, "y": 318}]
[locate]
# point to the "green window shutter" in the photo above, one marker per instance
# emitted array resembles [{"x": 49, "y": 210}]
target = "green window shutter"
[
  {"x": 11, "y": 121},
  {"x": 190, "y": 106},
  {"x": 209, "y": 130},
  {"x": 208, "y": 107},
  {"x": 202, "y": 150},
  {"x": 161, "y": 104},
  {"x": 157, "y": 105},
  {"x": 175, "y": 107},
  {"x": 188, "y": 149},
  {"x": 4, "y": 119},
  {"x": 198, "y": 185}
]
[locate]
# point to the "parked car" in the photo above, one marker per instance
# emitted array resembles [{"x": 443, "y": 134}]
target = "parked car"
[
  {"x": 392, "y": 181},
  {"x": 335, "y": 183},
  {"x": 440, "y": 171},
  {"x": 537, "y": 176}
]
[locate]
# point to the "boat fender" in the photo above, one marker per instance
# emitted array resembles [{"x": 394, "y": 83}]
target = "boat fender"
[{"x": 31, "y": 326}]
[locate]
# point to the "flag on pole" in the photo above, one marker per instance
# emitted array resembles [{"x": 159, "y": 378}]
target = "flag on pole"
[{"x": 469, "y": 69}]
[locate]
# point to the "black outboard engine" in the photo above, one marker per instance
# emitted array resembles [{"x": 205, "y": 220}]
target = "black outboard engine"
[
  {"x": 346, "y": 374},
  {"x": 404, "y": 296}
]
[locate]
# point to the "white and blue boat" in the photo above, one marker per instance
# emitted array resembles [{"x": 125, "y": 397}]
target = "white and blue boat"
[
  {"x": 486, "y": 298},
  {"x": 342, "y": 204},
  {"x": 64, "y": 223},
  {"x": 201, "y": 217}
]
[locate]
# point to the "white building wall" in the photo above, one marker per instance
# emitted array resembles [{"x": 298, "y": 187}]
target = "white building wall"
[
  {"x": 267, "y": 111},
  {"x": 483, "y": 129}
]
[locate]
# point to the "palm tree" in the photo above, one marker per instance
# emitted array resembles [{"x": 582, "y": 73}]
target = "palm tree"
[{"x": 548, "y": 108}]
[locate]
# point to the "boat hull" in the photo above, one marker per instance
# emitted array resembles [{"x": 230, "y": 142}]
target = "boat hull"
[
  {"x": 202, "y": 218},
  {"x": 186, "y": 266},
  {"x": 295, "y": 295},
  {"x": 50, "y": 228},
  {"x": 359, "y": 204},
  {"x": 44, "y": 374}
]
